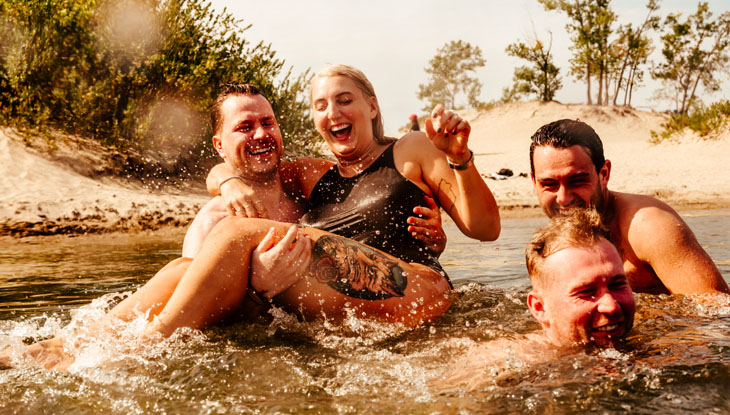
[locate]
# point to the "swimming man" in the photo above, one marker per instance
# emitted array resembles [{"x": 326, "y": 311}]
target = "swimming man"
[
  {"x": 660, "y": 253},
  {"x": 580, "y": 296}
]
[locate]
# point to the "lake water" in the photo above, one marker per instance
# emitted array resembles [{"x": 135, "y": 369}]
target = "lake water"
[{"x": 676, "y": 361}]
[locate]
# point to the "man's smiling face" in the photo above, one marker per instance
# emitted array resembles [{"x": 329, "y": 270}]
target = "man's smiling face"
[
  {"x": 566, "y": 178},
  {"x": 585, "y": 296},
  {"x": 249, "y": 138}
]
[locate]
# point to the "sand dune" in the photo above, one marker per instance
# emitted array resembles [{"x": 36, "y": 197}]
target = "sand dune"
[
  {"x": 47, "y": 192},
  {"x": 686, "y": 172},
  {"x": 50, "y": 192}
]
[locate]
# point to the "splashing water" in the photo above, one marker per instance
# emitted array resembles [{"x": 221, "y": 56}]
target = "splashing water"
[{"x": 676, "y": 360}]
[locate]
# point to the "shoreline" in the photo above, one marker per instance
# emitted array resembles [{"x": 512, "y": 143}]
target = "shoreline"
[
  {"x": 164, "y": 220},
  {"x": 60, "y": 191},
  {"x": 67, "y": 185}
]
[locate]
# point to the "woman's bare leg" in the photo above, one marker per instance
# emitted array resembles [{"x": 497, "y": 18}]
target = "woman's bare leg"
[
  {"x": 154, "y": 295},
  {"x": 216, "y": 281},
  {"x": 345, "y": 274}
]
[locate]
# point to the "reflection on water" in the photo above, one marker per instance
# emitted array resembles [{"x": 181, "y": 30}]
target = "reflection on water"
[
  {"x": 676, "y": 361},
  {"x": 500, "y": 263}
]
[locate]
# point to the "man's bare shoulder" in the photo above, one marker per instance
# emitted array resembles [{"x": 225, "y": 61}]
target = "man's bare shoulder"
[
  {"x": 654, "y": 234},
  {"x": 649, "y": 225},
  {"x": 638, "y": 214},
  {"x": 494, "y": 359},
  {"x": 632, "y": 202}
]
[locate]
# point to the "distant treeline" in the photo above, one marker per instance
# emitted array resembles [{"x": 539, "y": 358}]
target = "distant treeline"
[
  {"x": 609, "y": 54},
  {"x": 137, "y": 75}
]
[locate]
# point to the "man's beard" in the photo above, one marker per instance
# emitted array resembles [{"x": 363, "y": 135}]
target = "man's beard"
[
  {"x": 260, "y": 173},
  {"x": 597, "y": 202}
]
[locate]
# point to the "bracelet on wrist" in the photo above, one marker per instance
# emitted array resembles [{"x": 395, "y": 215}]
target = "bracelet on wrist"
[
  {"x": 227, "y": 179},
  {"x": 462, "y": 166}
]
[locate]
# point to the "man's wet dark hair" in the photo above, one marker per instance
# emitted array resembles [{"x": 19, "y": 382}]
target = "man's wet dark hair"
[
  {"x": 567, "y": 133},
  {"x": 228, "y": 90}
]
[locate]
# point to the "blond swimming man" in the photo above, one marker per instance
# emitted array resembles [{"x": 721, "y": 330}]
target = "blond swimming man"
[{"x": 580, "y": 296}]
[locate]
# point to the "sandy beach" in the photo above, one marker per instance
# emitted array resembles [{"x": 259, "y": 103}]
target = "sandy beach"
[
  {"x": 47, "y": 191},
  {"x": 59, "y": 189},
  {"x": 687, "y": 172}
]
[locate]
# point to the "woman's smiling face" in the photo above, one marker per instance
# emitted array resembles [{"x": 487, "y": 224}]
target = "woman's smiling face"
[{"x": 343, "y": 115}]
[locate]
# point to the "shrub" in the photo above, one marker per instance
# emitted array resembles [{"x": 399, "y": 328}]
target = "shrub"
[
  {"x": 703, "y": 120},
  {"x": 137, "y": 75}
]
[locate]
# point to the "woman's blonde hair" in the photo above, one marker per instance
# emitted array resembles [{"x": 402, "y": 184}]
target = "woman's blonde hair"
[{"x": 367, "y": 89}]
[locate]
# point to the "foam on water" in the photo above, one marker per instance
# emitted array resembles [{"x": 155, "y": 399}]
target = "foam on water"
[{"x": 285, "y": 365}]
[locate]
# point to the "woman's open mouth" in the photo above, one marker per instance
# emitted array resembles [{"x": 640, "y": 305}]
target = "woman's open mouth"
[{"x": 341, "y": 131}]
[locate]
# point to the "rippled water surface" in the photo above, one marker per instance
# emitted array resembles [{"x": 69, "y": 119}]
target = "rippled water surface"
[{"x": 676, "y": 361}]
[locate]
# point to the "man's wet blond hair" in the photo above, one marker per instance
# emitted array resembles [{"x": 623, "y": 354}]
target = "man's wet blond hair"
[
  {"x": 364, "y": 85},
  {"x": 581, "y": 228}
]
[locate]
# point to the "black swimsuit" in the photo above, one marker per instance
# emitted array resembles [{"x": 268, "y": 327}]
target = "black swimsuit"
[{"x": 371, "y": 208}]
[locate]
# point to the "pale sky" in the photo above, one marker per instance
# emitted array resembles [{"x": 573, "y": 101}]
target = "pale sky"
[{"x": 392, "y": 41}]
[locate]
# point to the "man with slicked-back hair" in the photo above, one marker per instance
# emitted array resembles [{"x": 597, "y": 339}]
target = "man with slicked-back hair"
[{"x": 659, "y": 251}]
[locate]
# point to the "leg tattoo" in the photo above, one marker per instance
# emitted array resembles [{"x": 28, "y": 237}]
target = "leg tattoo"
[{"x": 356, "y": 270}]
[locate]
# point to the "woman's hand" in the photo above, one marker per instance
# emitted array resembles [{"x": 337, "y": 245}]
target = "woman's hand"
[
  {"x": 427, "y": 228},
  {"x": 449, "y": 133},
  {"x": 276, "y": 267},
  {"x": 241, "y": 200}
]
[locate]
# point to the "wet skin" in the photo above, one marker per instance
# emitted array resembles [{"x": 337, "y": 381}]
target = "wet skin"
[
  {"x": 565, "y": 178},
  {"x": 584, "y": 296},
  {"x": 660, "y": 253},
  {"x": 249, "y": 139}
]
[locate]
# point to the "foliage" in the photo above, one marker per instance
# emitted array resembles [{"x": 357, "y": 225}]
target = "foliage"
[
  {"x": 590, "y": 23},
  {"x": 632, "y": 49},
  {"x": 542, "y": 79},
  {"x": 451, "y": 71},
  {"x": 695, "y": 51},
  {"x": 137, "y": 75},
  {"x": 613, "y": 57},
  {"x": 703, "y": 120},
  {"x": 510, "y": 94}
]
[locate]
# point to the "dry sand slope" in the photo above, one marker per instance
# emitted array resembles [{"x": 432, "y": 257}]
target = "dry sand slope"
[
  {"x": 46, "y": 192},
  {"x": 43, "y": 194},
  {"x": 687, "y": 172}
]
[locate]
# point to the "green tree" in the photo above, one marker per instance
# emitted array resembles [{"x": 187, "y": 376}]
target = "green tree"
[
  {"x": 695, "y": 51},
  {"x": 632, "y": 49},
  {"x": 138, "y": 75},
  {"x": 542, "y": 79},
  {"x": 591, "y": 25},
  {"x": 452, "y": 71}
]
